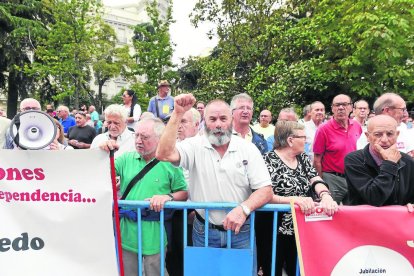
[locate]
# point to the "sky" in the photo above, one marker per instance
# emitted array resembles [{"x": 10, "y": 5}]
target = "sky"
[{"x": 189, "y": 40}]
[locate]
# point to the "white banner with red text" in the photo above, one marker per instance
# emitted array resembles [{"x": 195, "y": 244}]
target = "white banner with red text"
[
  {"x": 358, "y": 240},
  {"x": 56, "y": 213}
]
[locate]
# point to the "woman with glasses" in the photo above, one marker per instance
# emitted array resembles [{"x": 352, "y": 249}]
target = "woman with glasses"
[
  {"x": 293, "y": 179},
  {"x": 134, "y": 109}
]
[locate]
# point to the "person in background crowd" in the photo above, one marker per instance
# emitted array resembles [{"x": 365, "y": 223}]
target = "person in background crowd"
[
  {"x": 393, "y": 105},
  {"x": 25, "y": 105},
  {"x": 286, "y": 114},
  {"x": 223, "y": 168},
  {"x": 73, "y": 113},
  {"x": 361, "y": 111},
  {"x": 200, "y": 108},
  {"x": 118, "y": 136},
  {"x": 317, "y": 113},
  {"x": 333, "y": 141},
  {"x": 162, "y": 104},
  {"x": 64, "y": 118},
  {"x": 97, "y": 124},
  {"x": 4, "y": 126},
  {"x": 409, "y": 123},
  {"x": 146, "y": 115},
  {"x": 131, "y": 105},
  {"x": 162, "y": 183},
  {"x": 380, "y": 174},
  {"x": 293, "y": 179},
  {"x": 84, "y": 108},
  {"x": 81, "y": 135},
  {"x": 242, "y": 107},
  {"x": 2, "y": 112},
  {"x": 264, "y": 126},
  {"x": 306, "y": 114},
  {"x": 51, "y": 111},
  {"x": 89, "y": 121},
  {"x": 60, "y": 142}
]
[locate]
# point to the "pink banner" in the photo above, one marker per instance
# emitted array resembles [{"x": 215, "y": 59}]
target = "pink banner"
[{"x": 359, "y": 240}]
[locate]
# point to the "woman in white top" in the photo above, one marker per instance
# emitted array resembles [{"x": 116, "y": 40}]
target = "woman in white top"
[{"x": 134, "y": 110}]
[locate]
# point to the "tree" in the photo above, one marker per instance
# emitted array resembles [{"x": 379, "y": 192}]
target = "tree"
[
  {"x": 108, "y": 61},
  {"x": 153, "y": 46},
  {"x": 64, "y": 56},
  {"x": 22, "y": 23},
  {"x": 307, "y": 50}
]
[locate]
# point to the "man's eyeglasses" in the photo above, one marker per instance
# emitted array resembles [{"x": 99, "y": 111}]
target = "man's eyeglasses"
[
  {"x": 341, "y": 104},
  {"x": 30, "y": 108},
  {"x": 299, "y": 136},
  {"x": 243, "y": 108},
  {"x": 403, "y": 109}
]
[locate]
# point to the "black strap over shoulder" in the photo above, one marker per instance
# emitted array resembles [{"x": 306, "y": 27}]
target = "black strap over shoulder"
[{"x": 139, "y": 176}]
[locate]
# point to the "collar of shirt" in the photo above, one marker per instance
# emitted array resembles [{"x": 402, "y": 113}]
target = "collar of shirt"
[
  {"x": 248, "y": 136},
  {"x": 336, "y": 125},
  {"x": 374, "y": 155}
]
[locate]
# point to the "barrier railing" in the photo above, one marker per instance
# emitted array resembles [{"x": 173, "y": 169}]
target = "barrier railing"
[{"x": 186, "y": 206}]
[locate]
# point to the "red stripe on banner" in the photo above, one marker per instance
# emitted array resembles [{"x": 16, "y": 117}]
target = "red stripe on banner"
[
  {"x": 116, "y": 214},
  {"x": 359, "y": 240}
]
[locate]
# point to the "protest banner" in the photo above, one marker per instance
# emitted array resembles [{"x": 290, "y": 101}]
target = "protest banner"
[
  {"x": 56, "y": 213},
  {"x": 358, "y": 240}
]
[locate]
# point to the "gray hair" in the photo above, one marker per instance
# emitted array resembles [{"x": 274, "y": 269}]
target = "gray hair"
[
  {"x": 116, "y": 110},
  {"x": 385, "y": 100},
  {"x": 241, "y": 96},
  {"x": 284, "y": 130},
  {"x": 315, "y": 102},
  {"x": 63, "y": 107},
  {"x": 288, "y": 110},
  {"x": 196, "y": 115},
  {"x": 216, "y": 101},
  {"x": 307, "y": 109},
  {"x": 158, "y": 127}
]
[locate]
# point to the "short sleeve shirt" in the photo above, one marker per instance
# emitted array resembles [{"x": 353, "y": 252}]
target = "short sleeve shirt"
[
  {"x": 228, "y": 179},
  {"x": 334, "y": 142},
  {"x": 289, "y": 182},
  {"x": 162, "y": 179}
]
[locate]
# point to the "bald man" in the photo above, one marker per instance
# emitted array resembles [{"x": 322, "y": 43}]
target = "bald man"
[
  {"x": 264, "y": 126},
  {"x": 380, "y": 174}
]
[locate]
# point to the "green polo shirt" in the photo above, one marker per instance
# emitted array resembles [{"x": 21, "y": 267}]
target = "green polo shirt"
[{"x": 162, "y": 179}]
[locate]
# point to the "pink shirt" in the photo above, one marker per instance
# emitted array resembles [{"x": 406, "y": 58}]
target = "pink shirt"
[{"x": 334, "y": 142}]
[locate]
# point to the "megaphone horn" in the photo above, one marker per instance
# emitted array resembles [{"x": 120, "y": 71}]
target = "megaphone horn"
[{"x": 33, "y": 130}]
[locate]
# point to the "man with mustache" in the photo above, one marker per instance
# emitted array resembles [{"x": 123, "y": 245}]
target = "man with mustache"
[
  {"x": 223, "y": 168},
  {"x": 380, "y": 174},
  {"x": 333, "y": 141}
]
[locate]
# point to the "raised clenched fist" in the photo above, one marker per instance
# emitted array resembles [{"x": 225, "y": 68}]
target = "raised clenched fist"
[{"x": 183, "y": 103}]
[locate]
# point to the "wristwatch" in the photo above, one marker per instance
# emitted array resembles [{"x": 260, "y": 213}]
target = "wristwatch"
[
  {"x": 246, "y": 210},
  {"x": 171, "y": 196}
]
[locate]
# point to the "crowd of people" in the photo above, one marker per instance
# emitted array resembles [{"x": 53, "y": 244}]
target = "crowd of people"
[{"x": 189, "y": 150}]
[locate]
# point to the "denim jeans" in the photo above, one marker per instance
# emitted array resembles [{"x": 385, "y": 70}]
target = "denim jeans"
[{"x": 218, "y": 239}]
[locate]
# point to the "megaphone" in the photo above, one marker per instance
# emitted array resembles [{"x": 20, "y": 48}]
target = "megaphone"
[{"x": 33, "y": 130}]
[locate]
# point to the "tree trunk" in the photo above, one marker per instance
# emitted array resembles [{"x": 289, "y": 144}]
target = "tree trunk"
[{"x": 12, "y": 94}]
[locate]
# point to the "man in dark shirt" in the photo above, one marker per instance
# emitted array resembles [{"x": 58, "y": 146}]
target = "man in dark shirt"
[
  {"x": 81, "y": 135},
  {"x": 380, "y": 174}
]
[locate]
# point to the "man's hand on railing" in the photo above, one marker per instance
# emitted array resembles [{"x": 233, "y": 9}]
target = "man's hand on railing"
[
  {"x": 410, "y": 207},
  {"x": 234, "y": 220},
  {"x": 157, "y": 202}
]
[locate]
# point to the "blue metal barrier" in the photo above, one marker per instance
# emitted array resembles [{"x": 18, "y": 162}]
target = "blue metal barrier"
[{"x": 194, "y": 253}]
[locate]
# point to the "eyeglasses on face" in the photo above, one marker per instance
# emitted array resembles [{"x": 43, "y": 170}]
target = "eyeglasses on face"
[
  {"x": 27, "y": 108},
  {"x": 244, "y": 108},
  {"x": 403, "y": 109},
  {"x": 341, "y": 104},
  {"x": 299, "y": 136}
]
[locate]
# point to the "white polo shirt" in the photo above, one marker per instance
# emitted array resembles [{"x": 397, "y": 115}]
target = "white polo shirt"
[
  {"x": 126, "y": 141},
  {"x": 228, "y": 179}
]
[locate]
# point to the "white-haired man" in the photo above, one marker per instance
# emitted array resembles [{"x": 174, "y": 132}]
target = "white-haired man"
[{"x": 118, "y": 136}]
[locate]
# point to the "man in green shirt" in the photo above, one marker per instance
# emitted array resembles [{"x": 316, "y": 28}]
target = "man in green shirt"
[{"x": 162, "y": 183}]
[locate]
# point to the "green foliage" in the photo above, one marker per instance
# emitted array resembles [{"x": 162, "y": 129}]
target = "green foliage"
[
  {"x": 303, "y": 51},
  {"x": 153, "y": 47},
  {"x": 64, "y": 56}
]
